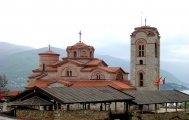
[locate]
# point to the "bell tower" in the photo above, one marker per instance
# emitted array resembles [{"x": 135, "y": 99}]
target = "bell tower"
[{"x": 145, "y": 58}]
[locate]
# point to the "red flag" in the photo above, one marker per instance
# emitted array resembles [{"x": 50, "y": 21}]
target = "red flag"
[
  {"x": 163, "y": 81},
  {"x": 158, "y": 81},
  {"x": 1, "y": 97}
]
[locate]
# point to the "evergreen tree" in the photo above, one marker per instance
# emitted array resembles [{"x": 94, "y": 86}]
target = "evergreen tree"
[{"x": 3, "y": 83}]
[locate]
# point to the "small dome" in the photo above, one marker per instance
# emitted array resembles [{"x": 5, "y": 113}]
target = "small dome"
[
  {"x": 80, "y": 45},
  {"x": 49, "y": 53},
  {"x": 80, "y": 50}
]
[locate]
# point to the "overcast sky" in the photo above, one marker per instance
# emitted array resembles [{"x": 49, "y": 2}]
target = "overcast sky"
[{"x": 105, "y": 24}]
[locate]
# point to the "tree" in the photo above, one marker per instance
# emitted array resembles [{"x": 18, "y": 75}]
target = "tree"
[{"x": 3, "y": 83}]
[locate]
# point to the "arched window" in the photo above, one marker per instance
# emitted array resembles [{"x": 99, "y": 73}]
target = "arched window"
[
  {"x": 75, "y": 54},
  {"x": 68, "y": 73},
  {"x": 141, "y": 47},
  {"x": 141, "y": 62},
  {"x": 83, "y": 54},
  {"x": 98, "y": 76},
  {"x": 141, "y": 79},
  {"x": 119, "y": 76},
  {"x": 141, "y": 50}
]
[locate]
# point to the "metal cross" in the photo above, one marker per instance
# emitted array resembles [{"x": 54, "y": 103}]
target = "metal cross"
[
  {"x": 49, "y": 47},
  {"x": 145, "y": 21},
  {"x": 80, "y": 36}
]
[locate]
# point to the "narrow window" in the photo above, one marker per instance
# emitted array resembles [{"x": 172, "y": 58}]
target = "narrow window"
[
  {"x": 90, "y": 54},
  {"x": 75, "y": 54},
  {"x": 43, "y": 69},
  {"x": 141, "y": 62},
  {"x": 141, "y": 50},
  {"x": 98, "y": 76},
  {"x": 156, "y": 53},
  {"x": 68, "y": 73},
  {"x": 141, "y": 79}
]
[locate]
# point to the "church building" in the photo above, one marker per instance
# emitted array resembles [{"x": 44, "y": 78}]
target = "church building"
[{"x": 80, "y": 68}]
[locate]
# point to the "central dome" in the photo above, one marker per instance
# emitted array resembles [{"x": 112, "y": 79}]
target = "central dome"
[{"x": 80, "y": 50}]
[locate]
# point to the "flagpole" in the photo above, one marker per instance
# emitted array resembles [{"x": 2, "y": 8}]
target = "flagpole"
[{"x": 141, "y": 19}]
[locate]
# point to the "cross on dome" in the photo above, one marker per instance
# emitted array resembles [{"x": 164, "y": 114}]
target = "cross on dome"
[
  {"x": 80, "y": 36},
  {"x": 49, "y": 47}
]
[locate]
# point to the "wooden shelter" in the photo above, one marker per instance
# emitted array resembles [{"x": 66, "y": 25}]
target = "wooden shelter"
[
  {"x": 158, "y": 97},
  {"x": 63, "y": 97}
]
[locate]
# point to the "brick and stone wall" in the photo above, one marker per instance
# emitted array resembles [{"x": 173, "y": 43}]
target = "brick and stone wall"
[
  {"x": 160, "y": 116},
  {"x": 63, "y": 115}
]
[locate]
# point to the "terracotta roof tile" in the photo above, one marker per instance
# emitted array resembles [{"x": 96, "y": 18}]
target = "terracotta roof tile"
[
  {"x": 94, "y": 62},
  {"x": 40, "y": 75},
  {"x": 49, "y": 53},
  {"x": 58, "y": 62},
  {"x": 87, "y": 69},
  {"x": 65, "y": 82},
  {"x": 52, "y": 69},
  {"x": 113, "y": 83},
  {"x": 106, "y": 69},
  {"x": 11, "y": 93},
  {"x": 75, "y": 61},
  {"x": 39, "y": 83},
  {"x": 114, "y": 69},
  {"x": 121, "y": 85}
]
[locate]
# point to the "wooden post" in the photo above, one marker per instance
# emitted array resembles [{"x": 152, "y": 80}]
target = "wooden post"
[
  {"x": 155, "y": 108},
  {"x": 100, "y": 106},
  {"x": 127, "y": 105},
  {"x": 166, "y": 107},
  {"x": 115, "y": 106},
  {"x": 185, "y": 106},
  {"x": 124, "y": 106}
]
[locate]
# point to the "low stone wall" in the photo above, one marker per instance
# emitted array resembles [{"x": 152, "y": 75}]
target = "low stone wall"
[
  {"x": 35, "y": 114},
  {"x": 161, "y": 116},
  {"x": 63, "y": 115}
]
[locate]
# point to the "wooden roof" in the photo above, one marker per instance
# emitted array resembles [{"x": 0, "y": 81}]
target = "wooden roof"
[
  {"x": 68, "y": 95},
  {"x": 157, "y": 97},
  {"x": 34, "y": 101}
]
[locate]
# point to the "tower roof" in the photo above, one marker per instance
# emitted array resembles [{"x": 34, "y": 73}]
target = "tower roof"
[{"x": 146, "y": 29}]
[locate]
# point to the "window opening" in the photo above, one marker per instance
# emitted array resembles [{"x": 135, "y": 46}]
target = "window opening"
[{"x": 141, "y": 79}]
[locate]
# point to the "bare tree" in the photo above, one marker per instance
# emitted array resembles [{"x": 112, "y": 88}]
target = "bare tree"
[{"x": 3, "y": 83}]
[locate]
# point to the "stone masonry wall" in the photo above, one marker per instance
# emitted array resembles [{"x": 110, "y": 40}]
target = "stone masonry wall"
[
  {"x": 63, "y": 115},
  {"x": 161, "y": 116}
]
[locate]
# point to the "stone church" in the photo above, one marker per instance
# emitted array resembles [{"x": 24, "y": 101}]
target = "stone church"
[{"x": 80, "y": 68}]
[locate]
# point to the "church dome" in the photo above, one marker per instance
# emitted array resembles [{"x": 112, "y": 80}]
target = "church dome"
[
  {"x": 47, "y": 58},
  {"x": 80, "y": 50},
  {"x": 49, "y": 53}
]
